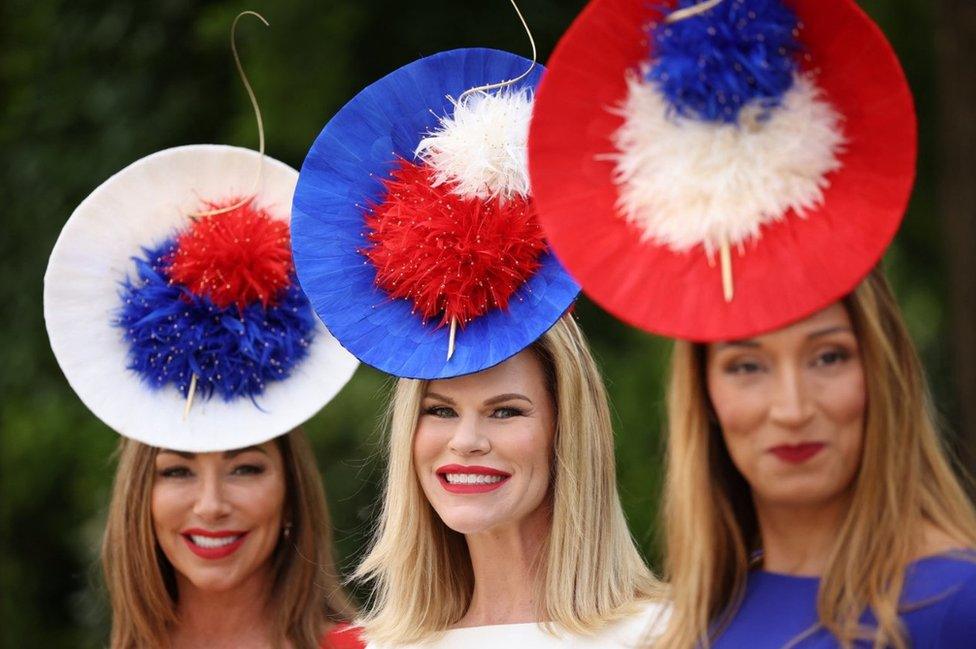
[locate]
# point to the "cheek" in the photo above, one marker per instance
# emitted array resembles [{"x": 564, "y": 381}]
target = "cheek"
[
  {"x": 845, "y": 403},
  {"x": 845, "y": 399},
  {"x": 530, "y": 449},
  {"x": 740, "y": 411},
  {"x": 167, "y": 506},
  {"x": 265, "y": 505},
  {"x": 427, "y": 445}
]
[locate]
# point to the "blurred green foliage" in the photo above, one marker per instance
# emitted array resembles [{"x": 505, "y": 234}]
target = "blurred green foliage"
[{"x": 88, "y": 87}]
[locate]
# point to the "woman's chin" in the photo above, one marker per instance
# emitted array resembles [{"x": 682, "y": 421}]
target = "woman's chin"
[{"x": 472, "y": 522}]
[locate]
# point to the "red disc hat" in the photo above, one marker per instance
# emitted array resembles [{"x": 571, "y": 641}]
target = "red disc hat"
[{"x": 713, "y": 170}]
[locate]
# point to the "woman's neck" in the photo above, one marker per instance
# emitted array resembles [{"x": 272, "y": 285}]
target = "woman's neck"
[
  {"x": 237, "y": 617},
  {"x": 507, "y": 567},
  {"x": 798, "y": 540}
]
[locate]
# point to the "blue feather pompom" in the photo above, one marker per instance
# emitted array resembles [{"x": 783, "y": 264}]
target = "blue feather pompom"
[
  {"x": 710, "y": 65},
  {"x": 174, "y": 334}
]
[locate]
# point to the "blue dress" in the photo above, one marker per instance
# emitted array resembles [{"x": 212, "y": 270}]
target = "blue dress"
[{"x": 938, "y": 604}]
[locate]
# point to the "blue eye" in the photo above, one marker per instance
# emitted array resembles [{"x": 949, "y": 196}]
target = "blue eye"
[
  {"x": 507, "y": 412},
  {"x": 442, "y": 412}
]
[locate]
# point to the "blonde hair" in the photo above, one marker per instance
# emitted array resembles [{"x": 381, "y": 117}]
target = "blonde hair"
[
  {"x": 904, "y": 482},
  {"x": 592, "y": 572},
  {"x": 141, "y": 582}
]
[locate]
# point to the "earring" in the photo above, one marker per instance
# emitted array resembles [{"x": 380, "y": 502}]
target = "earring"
[{"x": 286, "y": 532}]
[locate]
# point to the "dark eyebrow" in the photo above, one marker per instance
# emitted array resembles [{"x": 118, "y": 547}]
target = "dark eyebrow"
[
  {"x": 182, "y": 454},
  {"x": 439, "y": 397},
  {"x": 753, "y": 344},
  {"x": 828, "y": 330},
  {"x": 507, "y": 397},
  {"x": 738, "y": 343},
  {"x": 237, "y": 451}
]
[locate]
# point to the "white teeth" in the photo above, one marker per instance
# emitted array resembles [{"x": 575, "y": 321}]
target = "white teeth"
[
  {"x": 211, "y": 542},
  {"x": 472, "y": 478}
]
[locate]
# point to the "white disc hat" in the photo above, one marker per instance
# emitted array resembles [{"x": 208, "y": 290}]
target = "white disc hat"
[{"x": 173, "y": 330}]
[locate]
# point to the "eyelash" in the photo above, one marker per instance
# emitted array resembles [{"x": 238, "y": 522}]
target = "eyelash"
[
  {"x": 444, "y": 412},
  {"x": 248, "y": 469},
  {"x": 511, "y": 410},
  {"x": 742, "y": 367},
  {"x": 838, "y": 354},
  {"x": 175, "y": 472},
  {"x": 184, "y": 472}
]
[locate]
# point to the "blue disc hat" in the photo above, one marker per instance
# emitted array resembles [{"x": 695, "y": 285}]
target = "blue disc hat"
[{"x": 413, "y": 228}]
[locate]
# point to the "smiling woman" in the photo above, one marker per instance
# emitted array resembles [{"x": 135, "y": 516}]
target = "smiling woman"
[
  {"x": 501, "y": 521},
  {"x": 173, "y": 309},
  {"x": 203, "y": 543}
]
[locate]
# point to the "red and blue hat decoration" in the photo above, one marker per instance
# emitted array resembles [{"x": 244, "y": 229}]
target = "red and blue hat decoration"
[
  {"x": 217, "y": 305},
  {"x": 414, "y": 229},
  {"x": 714, "y": 169},
  {"x": 174, "y": 310}
]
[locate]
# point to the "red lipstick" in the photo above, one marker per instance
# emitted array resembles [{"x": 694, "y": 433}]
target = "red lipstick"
[
  {"x": 471, "y": 479},
  {"x": 209, "y": 544},
  {"x": 797, "y": 453}
]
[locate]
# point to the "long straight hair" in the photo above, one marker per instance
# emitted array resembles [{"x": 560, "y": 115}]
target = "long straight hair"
[
  {"x": 592, "y": 572},
  {"x": 306, "y": 591},
  {"x": 905, "y": 480}
]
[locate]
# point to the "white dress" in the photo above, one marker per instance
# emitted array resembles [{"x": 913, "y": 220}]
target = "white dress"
[{"x": 628, "y": 633}]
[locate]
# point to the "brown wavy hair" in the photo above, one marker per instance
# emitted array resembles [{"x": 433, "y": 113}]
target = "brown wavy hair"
[
  {"x": 141, "y": 581},
  {"x": 905, "y": 482}
]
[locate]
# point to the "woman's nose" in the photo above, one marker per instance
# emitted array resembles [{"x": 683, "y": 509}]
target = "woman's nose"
[
  {"x": 211, "y": 502},
  {"x": 792, "y": 405},
  {"x": 469, "y": 439}
]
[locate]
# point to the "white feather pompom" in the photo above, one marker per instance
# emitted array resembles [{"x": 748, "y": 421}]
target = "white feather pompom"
[
  {"x": 686, "y": 182},
  {"x": 482, "y": 147}
]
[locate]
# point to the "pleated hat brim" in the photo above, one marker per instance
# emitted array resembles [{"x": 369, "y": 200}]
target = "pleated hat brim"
[{"x": 142, "y": 205}]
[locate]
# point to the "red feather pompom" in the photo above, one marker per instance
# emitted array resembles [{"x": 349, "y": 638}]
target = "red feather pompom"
[
  {"x": 235, "y": 257},
  {"x": 453, "y": 257}
]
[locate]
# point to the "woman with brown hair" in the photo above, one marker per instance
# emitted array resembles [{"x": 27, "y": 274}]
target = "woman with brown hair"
[
  {"x": 173, "y": 309},
  {"x": 221, "y": 549},
  {"x": 808, "y": 495},
  {"x": 755, "y": 164}
]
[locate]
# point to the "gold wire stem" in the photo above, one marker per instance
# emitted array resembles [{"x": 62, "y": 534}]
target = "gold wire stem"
[
  {"x": 503, "y": 84},
  {"x": 257, "y": 116}
]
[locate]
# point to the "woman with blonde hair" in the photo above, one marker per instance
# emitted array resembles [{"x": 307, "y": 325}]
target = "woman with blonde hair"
[
  {"x": 174, "y": 311},
  {"x": 501, "y": 508},
  {"x": 417, "y": 243}
]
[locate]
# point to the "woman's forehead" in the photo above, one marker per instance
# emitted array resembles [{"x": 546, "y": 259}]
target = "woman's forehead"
[
  {"x": 521, "y": 373},
  {"x": 828, "y": 320}
]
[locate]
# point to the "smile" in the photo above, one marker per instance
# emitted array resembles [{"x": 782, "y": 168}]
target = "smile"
[
  {"x": 471, "y": 479},
  {"x": 213, "y": 545}
]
